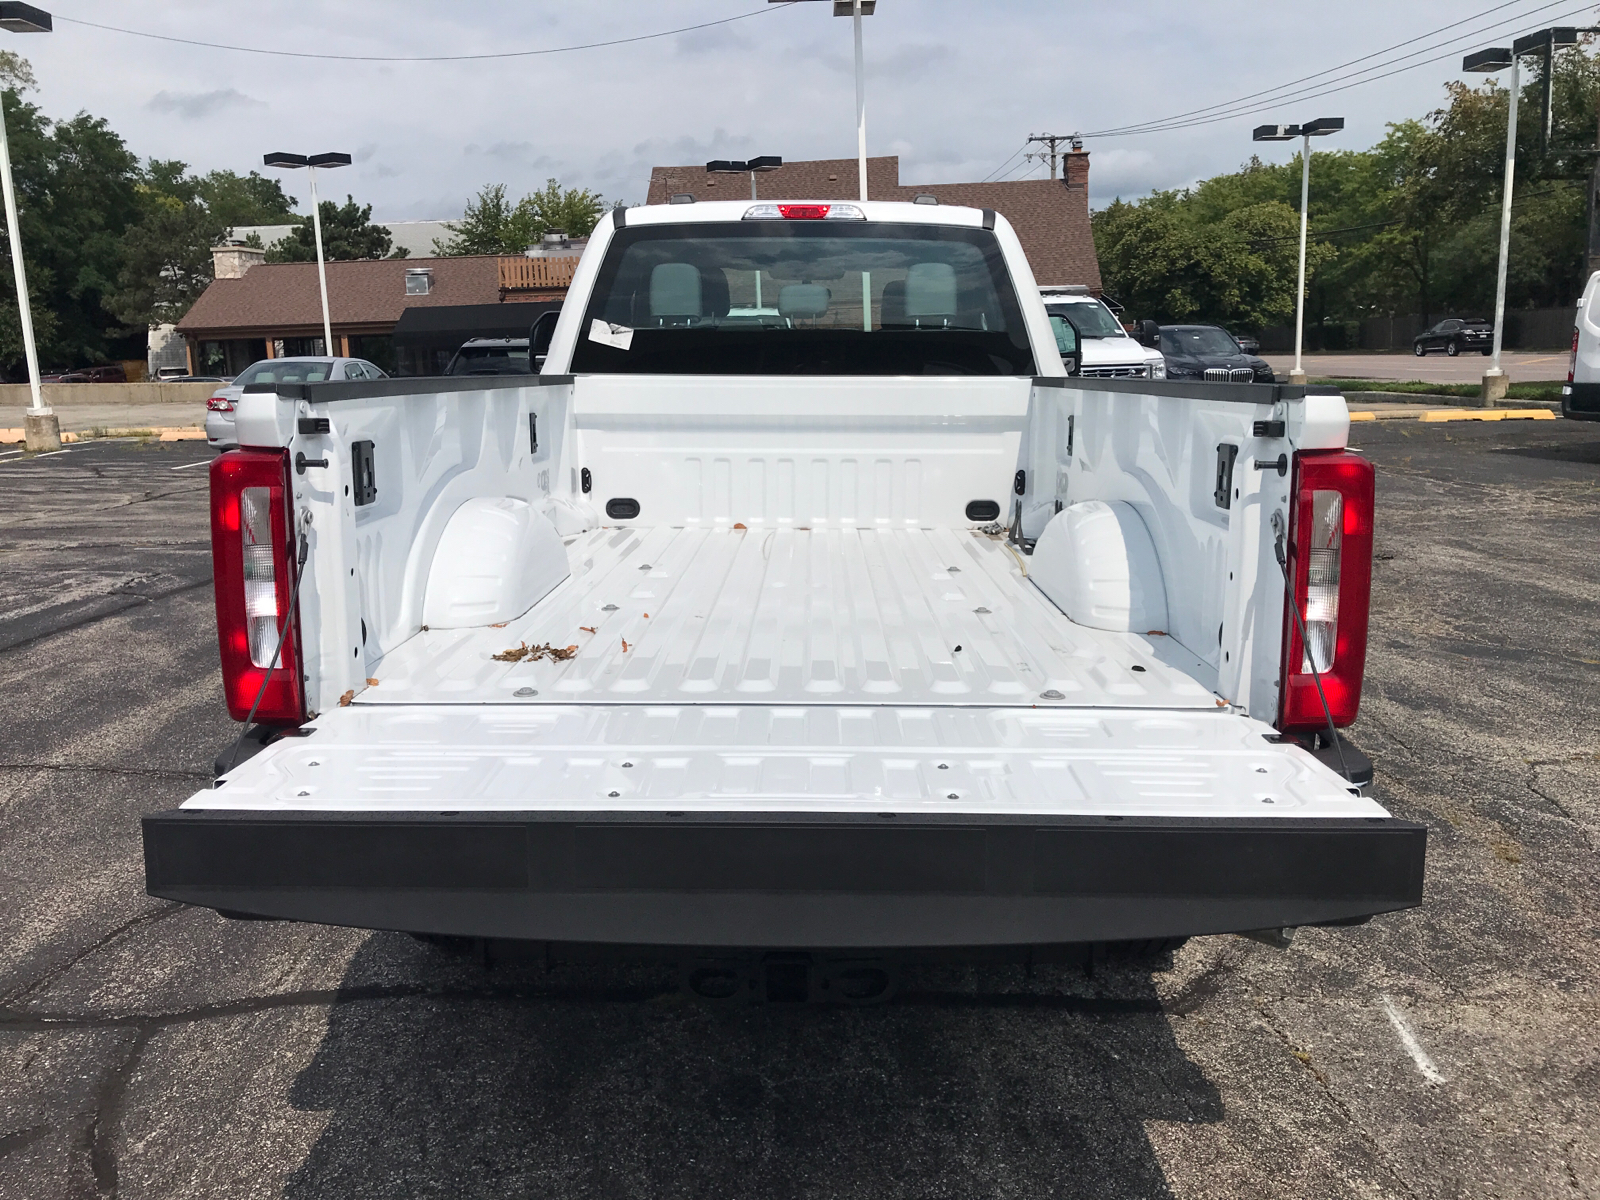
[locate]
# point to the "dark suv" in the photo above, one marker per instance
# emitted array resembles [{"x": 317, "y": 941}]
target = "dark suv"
[{"x": 1455, "y": 335}]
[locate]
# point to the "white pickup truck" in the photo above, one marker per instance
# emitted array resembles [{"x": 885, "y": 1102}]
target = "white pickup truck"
[{"x": 803, "y": 603}]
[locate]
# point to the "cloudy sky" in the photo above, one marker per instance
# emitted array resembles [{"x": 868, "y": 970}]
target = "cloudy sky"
[{"x": 953, "y": 86}]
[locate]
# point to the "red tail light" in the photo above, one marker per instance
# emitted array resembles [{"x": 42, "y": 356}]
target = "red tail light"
[
  {"x": 219, "y": 404},
  {"x": 804, "y": 212},
  {"x": 1330, "y": 564},
  {"x": 1572, "y": 363},
  {"x": 252, "y": 553}
]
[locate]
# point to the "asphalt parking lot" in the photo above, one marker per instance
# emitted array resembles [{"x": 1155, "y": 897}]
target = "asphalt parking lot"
[{"x": 150, "y": 1050}]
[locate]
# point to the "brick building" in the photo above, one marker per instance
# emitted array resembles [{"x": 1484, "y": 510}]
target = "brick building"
[
  {"x": 254, "y": 309},
  {"x": 1051, "y": 217}
]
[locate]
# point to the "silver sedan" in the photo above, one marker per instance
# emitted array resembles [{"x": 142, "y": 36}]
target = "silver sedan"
[{"x": 309, "y": 369}]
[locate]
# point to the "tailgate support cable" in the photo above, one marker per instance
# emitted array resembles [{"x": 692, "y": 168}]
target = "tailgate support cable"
[
  {"x": 301, "y": 555},
  {"x": 1305, "y": 640}
]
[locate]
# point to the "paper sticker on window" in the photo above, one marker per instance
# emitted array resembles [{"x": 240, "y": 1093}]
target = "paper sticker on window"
[{"x": 619, "y": 337}]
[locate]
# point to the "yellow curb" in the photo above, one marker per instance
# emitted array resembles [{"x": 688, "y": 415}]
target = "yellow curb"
[
  {"x": 1491, "y": 414},
  {"x": 11, "y": 435},
  {"x": 1363, "y": 416},
  {"x": 183, "y": 435}
]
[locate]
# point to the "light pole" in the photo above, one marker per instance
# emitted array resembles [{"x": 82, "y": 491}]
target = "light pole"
[
  {"x": 728, "y": 166},
  {"x": 41, "y": 426},
  {"x": 1321, "y": 127},
  {"x": 311, "y": 163},
  {"x": 856, "y": 9},
  {"x": 1498, "y": 58}
]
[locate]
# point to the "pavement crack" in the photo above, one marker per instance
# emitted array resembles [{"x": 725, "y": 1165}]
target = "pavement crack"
[
  {"x": 10, "y": 1143},
  {"x": 101, "y": 1136},
  {"x": 95, "y": 769},
  {"x": 135, "y": 601},
  {"x": 148, "y": 917},
  {"x": 1263, "y": 1007}
]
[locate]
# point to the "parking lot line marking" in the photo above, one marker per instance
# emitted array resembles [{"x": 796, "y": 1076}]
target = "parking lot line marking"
[
  {"x": 1409, "y": 1041},
  {"x": 186, "y": 466},
  {"x": 9, "y": 453}
]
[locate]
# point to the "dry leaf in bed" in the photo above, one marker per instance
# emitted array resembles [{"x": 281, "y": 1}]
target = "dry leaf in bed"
[
  {"x": 527, "y": 653},
  {"x": 586, "y": 628},
  {"x": 624, "y": 645},
  {"x": 372, "y": 683},
  {"x": 739, "y": 525},
  {"x": 344, "y": 700},
  {"x": 502, "y": 625}
]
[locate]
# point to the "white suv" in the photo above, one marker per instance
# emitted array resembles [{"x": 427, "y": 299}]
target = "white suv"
[{"x": 1104, "y": 349}]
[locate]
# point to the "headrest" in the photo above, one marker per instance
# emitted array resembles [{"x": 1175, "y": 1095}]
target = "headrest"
[
  {"x": 931, "y": 290},
  {"x": 675, "y": 290},
  {"x": 803, "y": 300}
]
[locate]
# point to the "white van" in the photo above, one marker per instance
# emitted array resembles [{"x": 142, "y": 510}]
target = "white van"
[
  {"x": 1580, "y": 399},
  {"x": 1104, "y": 349}
]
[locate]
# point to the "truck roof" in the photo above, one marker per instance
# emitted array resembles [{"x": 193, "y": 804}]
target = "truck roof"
[{"x": 900, "y": 211}]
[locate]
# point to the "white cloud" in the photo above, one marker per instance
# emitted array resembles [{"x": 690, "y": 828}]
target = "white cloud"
[{"x": 194, "y": 106}]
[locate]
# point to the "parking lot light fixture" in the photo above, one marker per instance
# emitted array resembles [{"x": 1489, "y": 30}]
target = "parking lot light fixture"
[
  {"x": 755, "y": 166},
  {"x": 311, "y": 163},
  {"x": 1321, "y": 127},
  {"x": 41, "y": 426},
  {"x": 1486, "y": 62}
]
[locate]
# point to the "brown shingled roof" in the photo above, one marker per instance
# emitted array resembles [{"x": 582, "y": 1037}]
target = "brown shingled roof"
[
  {"x": 1051, "y": 217},
  {"x": 368, "y": 292}
]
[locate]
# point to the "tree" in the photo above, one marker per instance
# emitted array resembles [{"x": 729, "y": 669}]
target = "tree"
[
  {"x": 347, "y": 233},
  {"x": 166, "y": 262},
  {"x": 77, "y": 195},
  {"x": 491, "y": 224},
  {"x": 572, "y": 211},
  {"x": 249, "y": 199}
]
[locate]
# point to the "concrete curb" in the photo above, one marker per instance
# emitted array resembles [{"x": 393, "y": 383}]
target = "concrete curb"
[
  {"x": 1449, "y": 414},
  {"x": 1353, "y": 398},
  {"x": 166, "y": 433}
]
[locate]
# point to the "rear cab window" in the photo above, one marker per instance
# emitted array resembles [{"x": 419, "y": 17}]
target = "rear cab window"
[{"x": 803, "y": 297}]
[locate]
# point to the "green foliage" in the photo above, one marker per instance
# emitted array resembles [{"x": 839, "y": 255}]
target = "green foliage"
[
  {"x": 491, "y": 224},
  {"x": 77, "y": 195},
  {"x": 166, "y": 256},
  {"x": 1411, "y": 225},
  {"x": 347, "y": 233}
]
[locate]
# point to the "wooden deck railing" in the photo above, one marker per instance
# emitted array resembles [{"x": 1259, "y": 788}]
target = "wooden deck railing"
[{"x": 521, "y": 274}]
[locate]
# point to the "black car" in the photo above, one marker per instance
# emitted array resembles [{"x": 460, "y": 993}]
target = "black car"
[
  {"x": 1455, "y": 335},
  {"x": 491, "y": 356},
  {"x": 1208, "y": 353}
]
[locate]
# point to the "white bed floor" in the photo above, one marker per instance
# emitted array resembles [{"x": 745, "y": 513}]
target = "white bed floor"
[{"x": 935, "y": 617}]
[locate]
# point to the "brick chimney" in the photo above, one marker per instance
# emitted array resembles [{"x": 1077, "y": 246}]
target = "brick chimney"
[
  {"x": 232, "y": 260},
  {"x": 1075, "y": 168}
]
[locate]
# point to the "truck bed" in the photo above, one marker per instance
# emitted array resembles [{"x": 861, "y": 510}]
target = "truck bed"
[{"x": 783, "y": 616}]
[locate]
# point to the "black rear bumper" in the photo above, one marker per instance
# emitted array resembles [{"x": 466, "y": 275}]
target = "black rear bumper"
[
  {"x": 786, "y": 880},
  {"x": 1581, "y": 402}
]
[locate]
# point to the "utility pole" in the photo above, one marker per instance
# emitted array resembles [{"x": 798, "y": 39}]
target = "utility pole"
[{"x": 1053, "y": 140}]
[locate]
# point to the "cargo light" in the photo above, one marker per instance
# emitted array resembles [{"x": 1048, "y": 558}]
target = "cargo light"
[
  {"x": 253, "y": 560},
  {"x": 1330, "y": 552},
  {"x": 219, "y": 404},
  {"x": 804, "y": 212}
]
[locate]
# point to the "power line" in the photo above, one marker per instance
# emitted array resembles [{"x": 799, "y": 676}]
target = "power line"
[
  {"x": 1281, "y": 96},
  {"x": 384, "y": 58},
  {"x": 1211, "y": 108},
  {"x": 1020, "y": 149}
]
